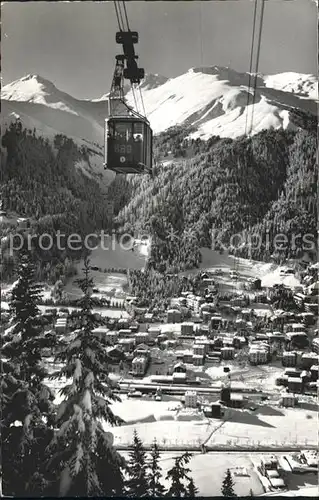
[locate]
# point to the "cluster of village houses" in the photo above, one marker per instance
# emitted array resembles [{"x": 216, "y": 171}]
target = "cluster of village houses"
[
  {"x": 219, "y": 330},
  {"x": 205, "y": 328}
]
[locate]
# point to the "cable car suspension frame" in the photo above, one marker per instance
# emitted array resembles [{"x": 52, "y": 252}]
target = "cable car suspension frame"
[{"x": 125, "y": 155}]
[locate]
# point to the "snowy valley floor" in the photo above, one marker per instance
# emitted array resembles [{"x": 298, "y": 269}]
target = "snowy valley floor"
[{"x": 268, "y": 426}]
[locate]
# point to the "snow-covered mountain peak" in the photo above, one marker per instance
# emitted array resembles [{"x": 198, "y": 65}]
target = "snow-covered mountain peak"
[
  {"x": 212, "y": 70},
  {"x": 35, "y": 89},
  {"x": 216, "y": 100},
  {"x": 152, "y": 81},
  {"x": 226, "y": 74},
  {"x": 212, "y": 99},
  {"x": 38, "y": 78},
  {"x": 28, "y": 88},
  {"x": 304, "y": 85}
]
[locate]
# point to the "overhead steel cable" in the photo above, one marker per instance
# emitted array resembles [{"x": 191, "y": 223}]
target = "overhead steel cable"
[
  {"x": 138, "y": 97},
  {"x": 251, "y": 62},
  {"x": 117, "y": 15},
  {"x": 121, "y": 15},
  {"x": 141, "y": 95},
  {"x": 134, "y": 97},
  {"x": 125, "y": 14},
  {"x": 255, "y": 78},
  {"x": 261, "y": 20}
]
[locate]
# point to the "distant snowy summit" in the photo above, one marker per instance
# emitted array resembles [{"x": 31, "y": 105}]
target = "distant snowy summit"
[
  {"x": 296, "y": 83},
  {"x": 38, "y": 90},
  {"x": 151, "y": 81},
  {"x": 304, "y": 85},
  {"x": 218, "y": 101},
  {"x": 214, "y": 100},
  {"x": 39, "y": 104},
  {"x": 27, "y": 88}
]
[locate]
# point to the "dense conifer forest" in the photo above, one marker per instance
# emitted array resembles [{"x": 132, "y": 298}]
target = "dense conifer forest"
[
  {"x": 202, "y": 193},
  {"x": 42, "y": 181},
  {"x": 265, "y": 185}
]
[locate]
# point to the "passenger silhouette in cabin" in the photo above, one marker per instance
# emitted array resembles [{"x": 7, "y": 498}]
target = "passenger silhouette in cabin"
[
  {"x": 138, "y": 147},
  {"x": 138, "y": 137}
]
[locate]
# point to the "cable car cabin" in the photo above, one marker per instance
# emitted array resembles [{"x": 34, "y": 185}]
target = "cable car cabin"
[{"x": 128, "y": 145}]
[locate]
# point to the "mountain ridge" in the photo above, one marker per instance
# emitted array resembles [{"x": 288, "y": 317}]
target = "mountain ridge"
[
  {"x": 291, "y": 80},
  {"x": 212, "y": 100}
]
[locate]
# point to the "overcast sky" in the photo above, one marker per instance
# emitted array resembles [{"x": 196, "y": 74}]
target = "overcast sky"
[{"x": 73, "y": 43}]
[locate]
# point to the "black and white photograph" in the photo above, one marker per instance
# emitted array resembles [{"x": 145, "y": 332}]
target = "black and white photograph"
[{"x": 159, "y": 248}]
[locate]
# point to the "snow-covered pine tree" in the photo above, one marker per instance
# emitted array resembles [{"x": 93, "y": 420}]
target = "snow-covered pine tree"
[
  {"x": 25, "y": 339},
  {"x": 82, "y": 455},
  {"x": 228, "y": 485},
  {"x": 178, "y": 474},
  {"x": 137, "y": 483},
  {"x": 26, "y": 402},
  {"x": 156, "y": 488}
]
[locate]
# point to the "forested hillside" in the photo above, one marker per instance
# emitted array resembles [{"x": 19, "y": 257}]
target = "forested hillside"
[
  {"x": 265, "y": 185},
  {"x": 252, "y": 185},
  {"x": 43, "y": 182}
]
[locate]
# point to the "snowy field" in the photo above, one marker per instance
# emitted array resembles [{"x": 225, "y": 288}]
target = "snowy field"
[
  {"x": 133, "y": 409},
  {"x": 109, "y": 285},
  {"x": 168, "y": 432},
  {"x": 267, "y": 426},
  {"x": 269, "y": 273},
  {"x": 211, "y": 260},
  {"x": 110, "y": 255}
]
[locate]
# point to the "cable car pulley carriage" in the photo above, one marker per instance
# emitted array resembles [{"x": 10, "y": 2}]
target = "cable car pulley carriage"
[{"x": 128, "y": 135}]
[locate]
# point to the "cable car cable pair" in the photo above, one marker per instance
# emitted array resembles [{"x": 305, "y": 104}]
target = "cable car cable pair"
[
  {"x": 261, "y": 20},
  {"x": 128, "y": 140},
  {"x": 253, "y": 77},
  {"x": 253, "y": 72},
  {"x": 122, "y": 153}
]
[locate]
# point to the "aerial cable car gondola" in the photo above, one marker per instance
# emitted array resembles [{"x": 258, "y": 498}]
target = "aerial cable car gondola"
[{"x": 128, "y": 135}]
